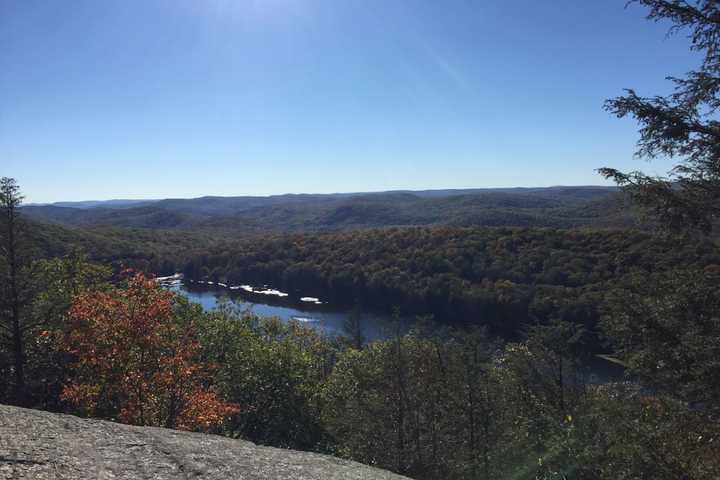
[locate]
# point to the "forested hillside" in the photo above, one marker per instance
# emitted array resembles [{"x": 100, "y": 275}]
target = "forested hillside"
[
  {"x": 500, "y": 277},
  {"x": 504, "y": 278},
  {"x": 159, "y": 251},
  {"x": 560, "y": 207}
]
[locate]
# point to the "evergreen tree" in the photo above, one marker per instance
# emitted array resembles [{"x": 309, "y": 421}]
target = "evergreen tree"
[
  {"x": 14, "y": 284},
  {"x": 682, "y": 125}
]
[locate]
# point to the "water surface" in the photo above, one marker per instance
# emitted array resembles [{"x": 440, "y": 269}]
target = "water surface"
[{"x": 285, "y": 305}]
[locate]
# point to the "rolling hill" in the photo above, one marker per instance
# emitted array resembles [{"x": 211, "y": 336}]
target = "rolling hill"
[{"x": 559, "y": 207}]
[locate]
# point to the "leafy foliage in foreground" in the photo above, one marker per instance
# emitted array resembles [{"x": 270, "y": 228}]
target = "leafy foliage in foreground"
[
  {"x": 274, "y": 370},
  {"x": 133, "y": 361},
  {"x": 666, "y": 329},
  {"x": 463, "y": 407}
]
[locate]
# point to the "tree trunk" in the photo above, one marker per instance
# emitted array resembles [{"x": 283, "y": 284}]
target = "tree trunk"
[
  {"x": 18, "y": 352},
  {"x": 10, "y": 199},
  {"x": 19, "y": 358},
  {"x": 400, "y": 385}
]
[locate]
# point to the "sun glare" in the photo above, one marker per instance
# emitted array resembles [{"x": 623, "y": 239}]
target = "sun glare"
[{"x": 259, "y": 10}]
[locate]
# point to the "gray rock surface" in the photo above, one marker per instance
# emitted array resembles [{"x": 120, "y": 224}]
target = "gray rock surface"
[{"x": 42, "y": 445}]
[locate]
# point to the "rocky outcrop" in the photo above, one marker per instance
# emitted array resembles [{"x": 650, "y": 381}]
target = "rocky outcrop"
[{"x": 42, "y": 445}]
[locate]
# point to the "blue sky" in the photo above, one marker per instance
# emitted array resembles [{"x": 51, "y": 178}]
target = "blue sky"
[{"x": 183, "y": 98}]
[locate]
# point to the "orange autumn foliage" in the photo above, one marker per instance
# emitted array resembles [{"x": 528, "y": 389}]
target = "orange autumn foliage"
[{"x": 137, "y": 364}]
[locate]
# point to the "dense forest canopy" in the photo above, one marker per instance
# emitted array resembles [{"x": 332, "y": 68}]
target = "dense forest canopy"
[{"x": 499, "y": 277}]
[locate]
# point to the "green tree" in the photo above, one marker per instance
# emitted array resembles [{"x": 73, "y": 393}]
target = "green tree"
[
  {"x": 682, "y": 125},
  {"x": 57, "y": 282},
  {"x": 15, "y": 287},
  {"x": 664, "y": 325},
  {"x": 353, "y": 329},
  {"x": 428, "y": 405},
  {"x": 666, "y": 330},
  {"x": 481, "y": 411},
  {"x": 545, "y": 390},
  {"x": 274, "y": 370},
  {"x": 367, "y": 407}
]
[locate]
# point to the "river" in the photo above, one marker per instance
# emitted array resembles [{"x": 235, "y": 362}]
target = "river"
[
  {"x": 316, "y": 313},
  {"x": 266, "y": 301}
]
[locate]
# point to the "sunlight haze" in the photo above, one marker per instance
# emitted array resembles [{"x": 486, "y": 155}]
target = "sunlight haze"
[{"x": 158, "y": 98}]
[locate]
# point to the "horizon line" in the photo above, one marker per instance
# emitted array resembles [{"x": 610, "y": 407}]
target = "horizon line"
[{"x": 368, "y": 192}]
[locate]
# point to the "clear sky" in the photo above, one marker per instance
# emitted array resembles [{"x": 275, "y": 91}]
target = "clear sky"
[{"x": 183, "y": 98}]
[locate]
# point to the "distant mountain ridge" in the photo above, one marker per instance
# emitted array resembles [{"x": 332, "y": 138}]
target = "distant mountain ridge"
[
  {"x": 123, "y": 203},
  {"x": 116, "y": 203},
  {"x": 561, "y": 207}
]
